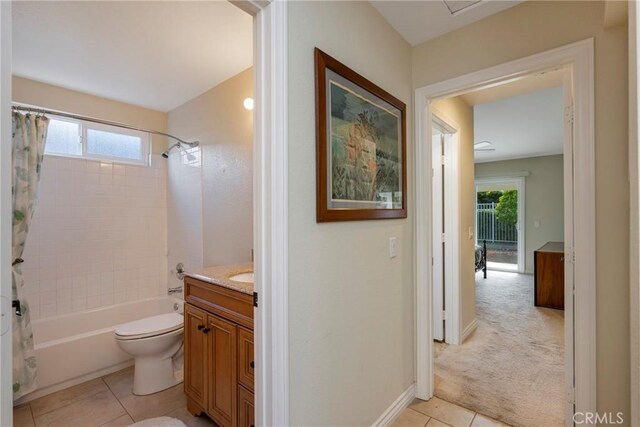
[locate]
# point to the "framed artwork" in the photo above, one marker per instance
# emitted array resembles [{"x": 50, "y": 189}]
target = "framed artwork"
[{"x": 360, "y": 147}]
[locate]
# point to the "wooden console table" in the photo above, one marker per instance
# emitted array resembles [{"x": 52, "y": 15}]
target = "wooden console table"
[{"x": 549, "y": 276}]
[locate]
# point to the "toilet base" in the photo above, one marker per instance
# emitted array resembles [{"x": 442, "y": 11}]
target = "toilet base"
[{"x": 153, "y": 375}]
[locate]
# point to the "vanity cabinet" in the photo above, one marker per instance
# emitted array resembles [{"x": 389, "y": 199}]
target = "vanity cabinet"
[{"x": 219, "y": 365}]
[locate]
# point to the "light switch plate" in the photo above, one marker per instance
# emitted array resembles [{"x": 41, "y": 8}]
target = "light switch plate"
[{"x": 393, "y": 247}]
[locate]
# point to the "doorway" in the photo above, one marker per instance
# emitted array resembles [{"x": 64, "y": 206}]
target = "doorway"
[
  {"x": 579, "y": 266},
  {"x": 270, "y": 183},
  {"x": 500, "y": 219}
]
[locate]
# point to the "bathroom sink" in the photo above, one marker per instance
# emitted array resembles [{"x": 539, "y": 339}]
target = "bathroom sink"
[{"x": 243, "y": 277}]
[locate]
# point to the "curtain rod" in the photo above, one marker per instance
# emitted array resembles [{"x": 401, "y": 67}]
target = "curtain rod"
[{"x": 36, "y": 110}]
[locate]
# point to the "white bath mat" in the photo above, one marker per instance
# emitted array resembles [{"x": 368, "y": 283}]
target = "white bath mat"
[{"x": 159, "y": 422}]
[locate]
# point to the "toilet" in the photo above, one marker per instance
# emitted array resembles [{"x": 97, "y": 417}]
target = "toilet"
[{"x": 153, "y": 342}]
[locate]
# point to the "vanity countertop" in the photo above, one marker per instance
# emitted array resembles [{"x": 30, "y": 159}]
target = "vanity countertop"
[{"x": 219, "y": 275}]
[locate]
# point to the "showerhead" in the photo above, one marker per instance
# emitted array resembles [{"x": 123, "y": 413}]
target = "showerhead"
[{"x": 179, "y": 145}]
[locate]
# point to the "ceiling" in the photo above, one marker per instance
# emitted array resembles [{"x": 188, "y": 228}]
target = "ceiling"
[
  {"x": 156, "y": 54},
  {"x": 419, "y": 21},
  {"x": 520, "y": 126}
]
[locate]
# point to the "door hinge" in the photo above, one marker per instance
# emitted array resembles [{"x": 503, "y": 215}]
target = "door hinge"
[
  {"x": 444, "y": 238},
  {"x": 255, "y": 299},
  {"x": 571, "y": 395},
  {"x": 570, "y": 256},
  {"x": 443, "y": 160},
  {"x": 569, "y": 113},
  {"x": 444, "y": 315}
]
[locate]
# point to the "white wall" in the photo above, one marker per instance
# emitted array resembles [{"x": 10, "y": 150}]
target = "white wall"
[
  {"x": 218, "y": 119},
  {"x": 98, "y": 236},
  {"x": 351, "y": 307},
  {"x": 536, "y": 26},
  {"x": 184, "y": 211},
  {"x": 544, "y": 201}
]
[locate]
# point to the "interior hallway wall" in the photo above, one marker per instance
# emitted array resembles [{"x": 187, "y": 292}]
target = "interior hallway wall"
[
  {"x": 218, "y": 119},
  {"x": 544, "y": 198},
  {"x": 44, "y": 95},
  {"x": 351, "y": 307},
  {"x": 537, "y": 26},
  {"x": 458, "y": 111}
]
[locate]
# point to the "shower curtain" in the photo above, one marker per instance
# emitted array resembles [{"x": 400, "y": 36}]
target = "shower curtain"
[{"x": 29, "y": 132}]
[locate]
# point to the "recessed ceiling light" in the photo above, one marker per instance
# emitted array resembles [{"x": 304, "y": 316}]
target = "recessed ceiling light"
[
  {"x": 248, "y": 103},
  {"x": 483, "y": 146},
  {"x": 457, "y": 6}
]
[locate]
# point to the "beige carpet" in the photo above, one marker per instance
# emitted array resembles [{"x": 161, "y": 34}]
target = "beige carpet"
[{"x": 512, "y": 367}]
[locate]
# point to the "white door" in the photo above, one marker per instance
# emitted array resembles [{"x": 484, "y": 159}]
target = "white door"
[
  {"x": 438, "y": 230},
  {"x": 569, "y": 249},
  {"x": 6, "y": 370}
]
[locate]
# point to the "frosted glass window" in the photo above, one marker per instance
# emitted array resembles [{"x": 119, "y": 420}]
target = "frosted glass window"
[
  {"x": 110, "y": 144},
  {"x": 63, "y": 138},
  {"x": 82, "y": 138}
]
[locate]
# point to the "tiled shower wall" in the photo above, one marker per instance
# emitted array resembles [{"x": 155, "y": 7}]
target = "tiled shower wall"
[{"x": 98, "y": 236}]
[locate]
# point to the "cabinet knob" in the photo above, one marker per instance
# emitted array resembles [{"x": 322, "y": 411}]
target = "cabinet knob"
[
  {"x": 206, "y": 330},
  {"x": 252, "y": 364},
  {"x": 200, "y": 327}
]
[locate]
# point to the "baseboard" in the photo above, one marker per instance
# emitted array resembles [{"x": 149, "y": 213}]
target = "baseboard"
[
  {"x": 469, "y": 330},
  {"x": 40, "y": 392},
  {"x": 389, "y": 416}
]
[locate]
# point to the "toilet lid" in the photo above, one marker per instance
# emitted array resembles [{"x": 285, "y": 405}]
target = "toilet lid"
[{"x": 150, "y": 326}]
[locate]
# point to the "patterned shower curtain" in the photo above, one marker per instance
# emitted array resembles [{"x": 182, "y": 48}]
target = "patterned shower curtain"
[{"x": 29, "y": 132}]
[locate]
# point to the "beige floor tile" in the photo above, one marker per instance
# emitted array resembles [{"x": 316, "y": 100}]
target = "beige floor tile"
[
  {"x": 67, "y": 396},
  {"x": 446, "y": 412},
  {"x": 411, "y": 418},
  {"x": 154, "y": 405},
  {"x": 435, "y": 423},
  {"x": 121, "y": 421},
  {"x": 121, "y": 382},
  {"x": 482, "y": 421},
  {"x": 22, "y": 416},
  {"x": 183, "y": 415},
  {"x": 95, "y": 410}
]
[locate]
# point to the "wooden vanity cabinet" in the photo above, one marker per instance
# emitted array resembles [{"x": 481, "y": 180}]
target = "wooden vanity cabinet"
[{"x": 218, "y": 368}]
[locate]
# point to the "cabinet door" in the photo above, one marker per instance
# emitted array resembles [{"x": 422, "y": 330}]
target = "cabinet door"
[
  {"x": 222, "y": 366},
  {"x": 245, "y": 357},
  {"x": 245, "y": 408},
  {"x": 195, "y": 355}
]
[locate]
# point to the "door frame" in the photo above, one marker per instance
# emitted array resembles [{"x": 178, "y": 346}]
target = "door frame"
[
  {"x": 270, "y": 201},
  {"x": 580, "y": 358},
  {"x": 520, "y": 183},
  {"x": 451, "y": 254},
  {"x": 6, "y": 345}
]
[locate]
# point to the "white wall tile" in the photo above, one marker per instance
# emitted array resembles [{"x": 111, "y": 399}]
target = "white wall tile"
[{"x": 98, "y": 236}]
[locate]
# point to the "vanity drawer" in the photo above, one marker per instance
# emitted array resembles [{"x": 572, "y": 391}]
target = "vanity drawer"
[
  {"x": 232, "y": 305},
  {"x": 245, "y": 357}
]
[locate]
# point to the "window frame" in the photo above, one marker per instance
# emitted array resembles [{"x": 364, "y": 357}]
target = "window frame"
[{"x": 86, "y": 125}]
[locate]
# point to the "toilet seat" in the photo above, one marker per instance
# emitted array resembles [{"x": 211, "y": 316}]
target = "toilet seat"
[{"x": 150, "y": 327}]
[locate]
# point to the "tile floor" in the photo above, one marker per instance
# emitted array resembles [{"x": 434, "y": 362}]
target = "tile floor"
[
  {"x": 437, "y": 412},
  {"x": 106, "y": 401}
]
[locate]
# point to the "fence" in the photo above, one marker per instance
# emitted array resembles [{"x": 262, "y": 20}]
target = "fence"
[{"x": 490, "y": 229}]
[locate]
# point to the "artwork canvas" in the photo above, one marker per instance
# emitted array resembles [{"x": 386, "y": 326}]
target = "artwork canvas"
[{"x": 360, "y": 145}]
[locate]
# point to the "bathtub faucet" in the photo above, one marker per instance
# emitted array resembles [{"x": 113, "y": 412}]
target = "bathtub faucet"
[{"x": 176, "y": 290}]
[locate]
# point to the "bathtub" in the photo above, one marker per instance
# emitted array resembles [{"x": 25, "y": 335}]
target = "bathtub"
[{"x": 74, "y": 348}]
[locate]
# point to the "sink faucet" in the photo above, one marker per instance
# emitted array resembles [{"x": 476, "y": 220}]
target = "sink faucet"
[{"x": 176, "y": 290}]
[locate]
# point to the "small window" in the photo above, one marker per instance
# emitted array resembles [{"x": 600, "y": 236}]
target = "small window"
[{"x": 78, "y": 138}]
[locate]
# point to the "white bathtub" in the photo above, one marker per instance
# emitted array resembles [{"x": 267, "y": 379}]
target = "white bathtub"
[{"x": 77, "y": 347}]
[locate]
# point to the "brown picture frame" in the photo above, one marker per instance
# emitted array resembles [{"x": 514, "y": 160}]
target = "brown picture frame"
[{"x": 325, "y": 212}]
